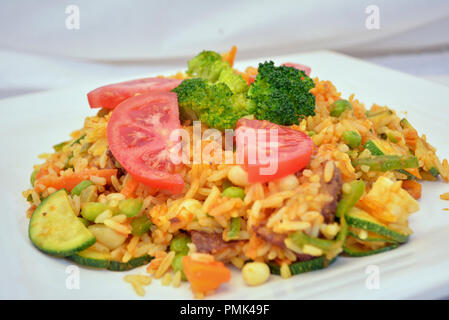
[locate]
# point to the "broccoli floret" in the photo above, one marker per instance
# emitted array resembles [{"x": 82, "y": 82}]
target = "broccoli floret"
[
  {"x": 214, "y": 104},
  {"x": 281, "y": 94},
  {"x": 209, "y": 65}
]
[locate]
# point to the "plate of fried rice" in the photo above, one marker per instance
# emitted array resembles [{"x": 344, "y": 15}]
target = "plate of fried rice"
[{"x": 295, "y": 177}]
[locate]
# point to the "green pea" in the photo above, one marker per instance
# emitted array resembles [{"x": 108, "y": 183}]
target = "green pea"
[
  {"x": 140, "y": 225},
  {"x": 179, "y": 243},
  {"x": 311, "y": 133},
  {"x": 33, "y": 177},
  {"x": 234, "y": 192},
  {"x": 130, "y": 207},
  {"x": 352, "y": 139},
  {"x": 80, "y": 187},
  {"x": 176, "y": 265},
  {"x": 340, "y": 106}
]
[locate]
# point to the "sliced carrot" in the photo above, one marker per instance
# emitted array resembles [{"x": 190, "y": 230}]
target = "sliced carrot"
[
  {"x": 230, "y": 56},
  {"x": 69, "y": 182},
  {"x": 205, "y": 276},
  {"x": 130, "y": 187},
  {"x": 412, "y": 187}
]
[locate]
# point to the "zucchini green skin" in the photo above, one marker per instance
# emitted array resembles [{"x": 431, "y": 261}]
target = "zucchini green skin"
[
  {"x": 357, "y": 252},
  {"x": 371, "y": 239},
  {"x": 364, "y": 221},
  {"x": 303, "y": 266},
  {"x": 131, "y": 264},
  {"x": 55, "y": 229},
  {"x": 91, "y": 259},
  {"x": 104, "y": 262}
]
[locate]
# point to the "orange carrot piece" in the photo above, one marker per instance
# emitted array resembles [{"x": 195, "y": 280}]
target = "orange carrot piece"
[
  {"x": 412, "y": 187},
  {"x": 205, "y": 276},
  {"x": 230, "y": 56},
  {"x": 69, "y": 182},
  {"x": 414, "y": 171},
  {"x": 130, "y": 187}
]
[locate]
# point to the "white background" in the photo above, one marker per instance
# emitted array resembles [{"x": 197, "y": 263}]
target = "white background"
[{"x": 123, "y": 38}]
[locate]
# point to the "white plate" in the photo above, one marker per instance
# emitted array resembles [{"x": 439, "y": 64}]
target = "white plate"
[{"x": 31, "y": 124}]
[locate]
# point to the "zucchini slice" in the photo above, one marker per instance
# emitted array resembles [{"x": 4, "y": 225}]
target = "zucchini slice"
[
  {"x": 55, "y": 229},
  {"x": 360, "y": 219},
  {"x": 371, "y": 236},
  {"x": 94, "y": 259},
  {"x": 131, "y": 264},
  {"x": 303, "y": 266},
  {"x": 91, "y": 258},
  {"x": 357, "y": 250}
]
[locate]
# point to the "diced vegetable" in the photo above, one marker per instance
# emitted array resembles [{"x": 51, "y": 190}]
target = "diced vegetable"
[
  {"x": 368, "y": 236},
  {"x": 84, "y": 221},
  {"x": 387, "y": 162},
  {"x": 255, "y": 273},
  {"x": 179, "y": 243},
  {"x": 360, "y": 219},
  {"x": 107, "y": 236},
  {"x": 177, "y": 265},
  {"x": 234, "y": 192},
  {"x": 349, "y": 199},
  {"x": 130, "y": 207},
  {"x": 339, "y": 106},
  {"x": 55, "y": 229},
  {"x": 355, "y": 249},
  {"x": 412, "y": 187},
  {"x": 91, "y": 210},
  {"x": 352, "y": 139},
  {"x": 434, "y": 172},
  {"x": 80, "y": 187},
  {"x": 234, "y": 228},
  {"x": 302, "y": 266},
  {"x": 129, "y": 188},
  {"x": 205, "y": 276},
  {"x": 33, "y": 177},
  {"x": 140, "y": 225},
  {"x": 300, "y": 239},
  {"x": 70, "y": 181}
]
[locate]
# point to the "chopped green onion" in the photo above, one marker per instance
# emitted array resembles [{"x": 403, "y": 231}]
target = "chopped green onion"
[
  {"x": 80, "y": 187},
  {"x": 340, "y": 106},
  {"x": 140, "y": 225},
  {"x": 234, "y": 228},
  {"x": 33, "y": 177},
  {"x": 352, "y": 139},
  {"x": 385, "y": 163}
]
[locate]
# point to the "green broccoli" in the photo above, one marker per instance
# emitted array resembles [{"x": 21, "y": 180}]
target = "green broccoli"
[
  {"x": 209, "y": 65},
  {"x": 213, "y": 104},
  {"x": 281, "y": 94}
]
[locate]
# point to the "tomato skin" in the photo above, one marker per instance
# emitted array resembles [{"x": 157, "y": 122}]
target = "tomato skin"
[
  {"x": 138, "y": 135},
  {"x": 112, "y": 95},
  {"x": 307, "y": 70},
  {"x": 294, "y": 153}
]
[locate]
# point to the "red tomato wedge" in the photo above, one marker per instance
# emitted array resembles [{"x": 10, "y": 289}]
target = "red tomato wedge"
[
  {"x": 307, "y": 70},
  {"x": 271, "y": 154},
  {"x": 111, "y": 95},
  {"x": 139, "y": 138}
]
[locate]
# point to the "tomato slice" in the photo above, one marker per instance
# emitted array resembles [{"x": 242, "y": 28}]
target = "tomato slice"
[
  {"x": 111, "y": 95},
  {"x": 307, "y": 70},
  {"x": 139, "y": 138},
  {"x": 290, "y": 150}
]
